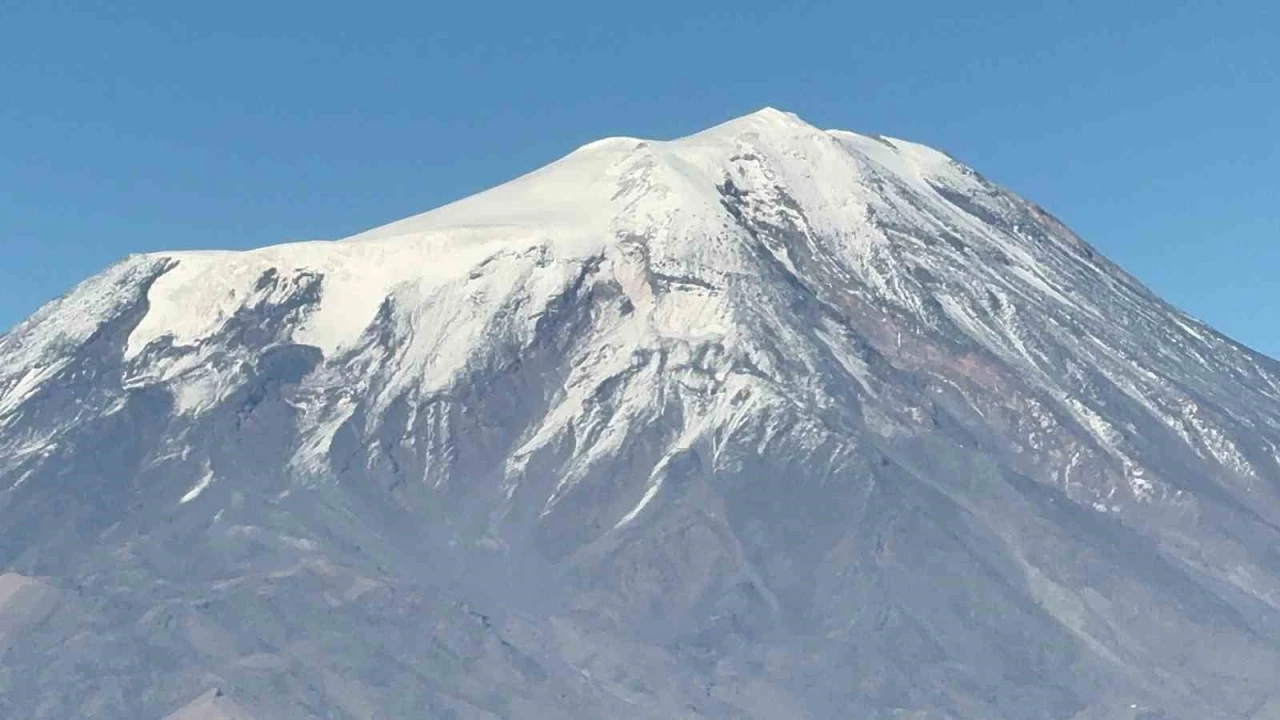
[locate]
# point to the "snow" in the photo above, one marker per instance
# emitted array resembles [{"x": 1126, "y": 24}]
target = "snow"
[
  {"x": 320, "y": 423},
  {"x": 903, "y": 161},
  {"x": 27, "y": 383},
  {"x": 1217, "y": 442},
  {"x": 655, "y": 484},
  {"x": 543, "y": 225},
  {"x": 647, "y": 216},
  {"x": 205, "y": 289},
  {"x": 854, "y": 366},
  {"x": 578, "y": 207},
  {"x": 37, "y": 349},
  {"x": 212, "y": 705},
  {"x": 198, "y": 488},
  {"x": 1189, "y": 329}
]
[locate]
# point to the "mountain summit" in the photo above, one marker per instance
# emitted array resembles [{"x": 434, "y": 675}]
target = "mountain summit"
[{"x": 763, "y": 422}]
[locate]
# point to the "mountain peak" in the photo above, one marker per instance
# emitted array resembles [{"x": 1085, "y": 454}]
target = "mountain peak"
[
  {"x": 596, "y": 184},
  {"x": 761, "y": 122},
  {"x": 770, "y": 116},
  {"x": 775, "y": 114}
]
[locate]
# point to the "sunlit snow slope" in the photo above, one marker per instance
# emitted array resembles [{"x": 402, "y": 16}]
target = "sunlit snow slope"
[{"x": 764, "y": 422}]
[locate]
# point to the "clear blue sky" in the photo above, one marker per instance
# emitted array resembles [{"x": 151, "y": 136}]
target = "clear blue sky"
[{"x": 1150, "y": 129}]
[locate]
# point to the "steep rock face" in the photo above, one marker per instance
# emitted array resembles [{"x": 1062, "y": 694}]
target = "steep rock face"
[{"x": 765, "y": 422}]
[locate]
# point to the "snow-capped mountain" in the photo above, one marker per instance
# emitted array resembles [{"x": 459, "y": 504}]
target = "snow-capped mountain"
[{"x": 764, "y": 422}]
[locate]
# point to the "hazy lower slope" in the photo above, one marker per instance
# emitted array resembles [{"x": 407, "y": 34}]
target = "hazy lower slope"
[{"x": 766, "y": 422}]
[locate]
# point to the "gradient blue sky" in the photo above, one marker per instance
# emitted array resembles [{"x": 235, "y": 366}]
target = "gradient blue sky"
[{"x": 1150, "y": 129}]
